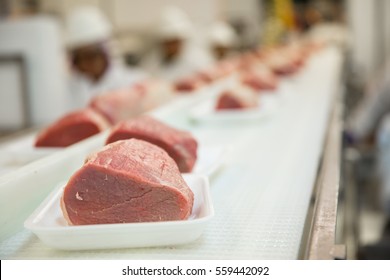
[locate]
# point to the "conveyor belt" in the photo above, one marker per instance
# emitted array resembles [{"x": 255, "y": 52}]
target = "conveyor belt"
[{"x": 261, "y": 195}]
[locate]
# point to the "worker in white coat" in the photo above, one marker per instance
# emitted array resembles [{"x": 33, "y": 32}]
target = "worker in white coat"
[
  {"x": 222, "y": 39},
  {"x": 365, "y": 119},
  {"x": 93, "y": 69},
  {"x": 380, "y": 111},
  {"x": 383, "y": 142},
  {"x": 371, "y": 121},
  {"x": 177, "y": 54}
]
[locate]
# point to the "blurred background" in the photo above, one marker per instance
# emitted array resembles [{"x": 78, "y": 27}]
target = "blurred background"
[
  {"x": 134, "y": 33},
  {"x": 46, "y": 49}
]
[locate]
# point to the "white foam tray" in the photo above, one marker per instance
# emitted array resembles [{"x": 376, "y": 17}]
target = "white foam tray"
[
  {"x": 21, "y": 152},
  {"x": 48, "y": 223},
  {"x": 206, "y": 112}
]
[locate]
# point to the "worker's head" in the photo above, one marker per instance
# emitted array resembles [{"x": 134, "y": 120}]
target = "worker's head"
[
  {"x": 91, "y": 61},
  {"x": 312, "y": 16},
  {"x": 88, "y": 32},
  {"x": 174, "y": 28},
  {"x": 222, "y": 39},
  {"x": 171, "y": 48}
]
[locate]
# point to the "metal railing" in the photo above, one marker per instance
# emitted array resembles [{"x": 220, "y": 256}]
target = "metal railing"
[{"x": 322, "y": 228}]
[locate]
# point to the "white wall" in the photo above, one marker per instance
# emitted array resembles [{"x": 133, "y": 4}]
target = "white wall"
[
  {"x": 38, "y": 41},
  {"x": 133, "y": 20},
  {"x": 11, "y": 96},
  {"x": 138, "y": 14},
  {"x": 61, "y": 7},
  {"x": 386, "y": 15},
  {"x": 249, "y": 10},
  {"x": 361, "y": 17}
]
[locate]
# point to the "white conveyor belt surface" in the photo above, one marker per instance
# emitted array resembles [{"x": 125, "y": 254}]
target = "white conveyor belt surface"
[{"x": 261, "y": 194}]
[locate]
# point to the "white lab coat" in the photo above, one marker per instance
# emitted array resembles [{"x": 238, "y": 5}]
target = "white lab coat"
[
  {"x": 374, "y": 113},
  {"x": 374, "y": 106},
  {"x": 117, "y": 76},
  {"x": 190, "y": 60},
  {"x": 383, "y": 152}
]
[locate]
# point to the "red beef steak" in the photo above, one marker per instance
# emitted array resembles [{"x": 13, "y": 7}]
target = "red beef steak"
[
  {"x": 180, "y": 145},
  {"x": 237, "y": 99},
  {"x": 72, "y": 128},
  {"x": 120, "y": 104},
  {"x": 127, "y": 181},
  {"x": 188, "y": 84}
]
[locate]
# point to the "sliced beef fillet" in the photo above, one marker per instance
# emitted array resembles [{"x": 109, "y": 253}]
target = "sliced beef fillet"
[
  {"x": 210, "y": 74},
  {"x": 127, "y": 181},
  {"x": 247, "y": 60},
  {"x": 282, "y": 63},
  {"x": 227, "y": 67},
  {"x": 157, "y": 92},
  {"x": 72, "y": 128},
  {"x": 188, "y": 84},
  {"x": 180, "y": 145},
  {"x": 120, "y": 104},
  {"x": 260, "y": 77},
  {"x": 237, "y": 98}
]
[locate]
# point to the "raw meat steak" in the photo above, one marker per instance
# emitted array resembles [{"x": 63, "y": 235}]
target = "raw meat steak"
[
  {"x": 283, "y": 61},
  {"x": 210, "y": 74},
  {"x": 180, "y": 145},
  {"x": 72, "y": 128},
  {"x": 127, "y": 181},
  {"x": 120, "y": 104},
  {"x": 188, "y": 84},
  {"x": 157, "y": 92},
  {"x": 237, "y": 98},
  {"x": 260, "y": 77}
]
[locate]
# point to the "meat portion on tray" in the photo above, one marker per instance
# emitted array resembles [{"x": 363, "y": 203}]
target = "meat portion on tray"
[
  {"x": 72, "y": 128},
  {"x": 130, "y": 102},
  {"x": 179, "y": 144},
  {"x": 284, "y": 60},
  {"x": 260, "y": 77},
  {"x": 188, "y": 84},
  {"x": 237, "y": 98},
  {"x": 120, "y": 104},
  {"x": 125, "y": 182}
]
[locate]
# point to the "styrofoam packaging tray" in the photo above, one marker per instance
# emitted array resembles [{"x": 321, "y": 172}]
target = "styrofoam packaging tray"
[
  {"x": 48, "y": 223},
  {"x": 210, "y": 159},
  {"x": 17, "y": 158},
  {"x": 216, "y": 86},
  {"x": 21, "y": 152},
  {"x": 205, "y": 112},
  {"x": 12, "y": 160}
]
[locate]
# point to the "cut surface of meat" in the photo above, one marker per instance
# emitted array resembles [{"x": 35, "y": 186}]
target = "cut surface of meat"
[
  {"x": 283, "y": 62},
  {"x": 227, "y": 67},
  {"x": 211, "y": 74},
  {"x": 72, "y": 128},
  {"x": 237, "y": 98},
  {"x": 127, "y": 181},
  {"x": 180, "y": 145},
  {"x": 157, "y": 92},
  {"x": 188, "y": 84},
  {"x": 121, "y": 104},
  {"x": 260, "y": 78}
]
